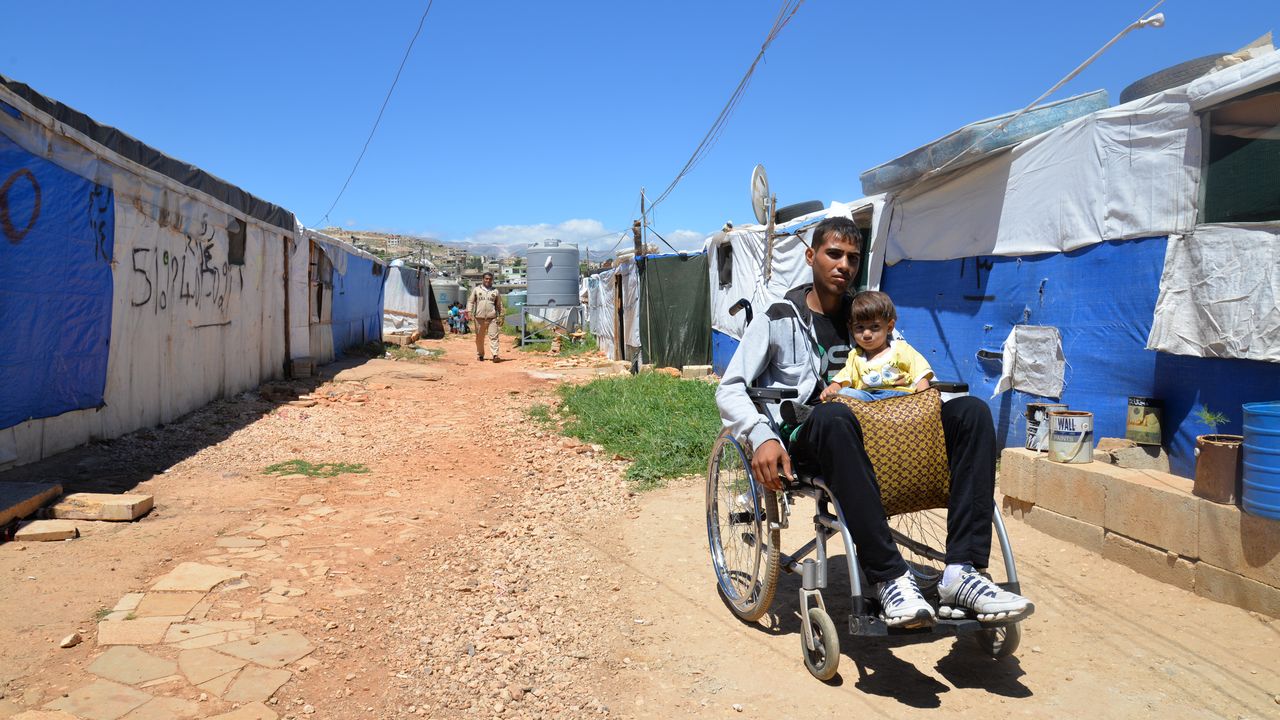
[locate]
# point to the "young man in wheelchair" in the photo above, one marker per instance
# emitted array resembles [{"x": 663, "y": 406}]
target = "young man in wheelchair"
[{"x": 801, "y": 343}]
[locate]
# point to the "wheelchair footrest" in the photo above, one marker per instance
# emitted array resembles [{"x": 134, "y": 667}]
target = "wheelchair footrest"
[{"x": 873, "y": 626}]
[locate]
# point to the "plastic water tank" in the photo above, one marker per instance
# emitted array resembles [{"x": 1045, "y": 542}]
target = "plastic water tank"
[
  {"x": 446, "y": 291},
  {"x": 553, "y": 274},
  {"x": 1261, "y": 459}
]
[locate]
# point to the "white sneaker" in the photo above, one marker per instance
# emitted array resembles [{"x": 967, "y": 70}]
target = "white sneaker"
[
  {"x": 902, "y": 605},
  {"x": 973, "y": 595}
]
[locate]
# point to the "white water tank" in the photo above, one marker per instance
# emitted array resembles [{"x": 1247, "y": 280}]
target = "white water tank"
[
  {"x": 446, "y": 292},
  {"x": 553, "y": 274}
]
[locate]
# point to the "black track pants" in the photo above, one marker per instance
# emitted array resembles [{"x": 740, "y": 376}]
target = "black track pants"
[{"x": 830, "y": 444}]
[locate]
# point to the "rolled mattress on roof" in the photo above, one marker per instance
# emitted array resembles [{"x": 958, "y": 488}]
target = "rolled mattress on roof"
[{"x": 915, "y": 164}]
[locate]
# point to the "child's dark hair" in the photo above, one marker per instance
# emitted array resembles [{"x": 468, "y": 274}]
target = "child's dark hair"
[{"x": 870, "y": 305}]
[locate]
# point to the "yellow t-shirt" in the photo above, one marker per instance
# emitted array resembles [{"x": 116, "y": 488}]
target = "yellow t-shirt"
[{"x": 899, "y": 369}]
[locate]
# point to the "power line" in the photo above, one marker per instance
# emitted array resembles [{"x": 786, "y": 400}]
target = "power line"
[
  {"x": 785, "y": 13},
  {"x": 381, "y": 110}
]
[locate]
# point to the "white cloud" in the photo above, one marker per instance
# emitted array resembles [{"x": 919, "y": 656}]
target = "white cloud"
[{"x": 587, "y": 233}]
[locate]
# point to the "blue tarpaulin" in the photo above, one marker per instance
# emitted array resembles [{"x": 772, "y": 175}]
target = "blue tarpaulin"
[
  {"x": 357, "y": 304},
  {"x": 957, "y": 313},
  {"x": 56, "y": 236}
]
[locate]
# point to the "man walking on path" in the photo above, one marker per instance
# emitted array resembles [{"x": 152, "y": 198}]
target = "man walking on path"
[{"x": 485, "y": 305}]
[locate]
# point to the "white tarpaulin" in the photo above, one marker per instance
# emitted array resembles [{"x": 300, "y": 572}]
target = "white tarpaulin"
[
  {"x": 1127, "y": 172},
  {"x": 406, "y": 304},
  {"x": 1033, "y": 361},
  {"x": 1220, "y": 294},
  {"x": 1232, "y": 82}
]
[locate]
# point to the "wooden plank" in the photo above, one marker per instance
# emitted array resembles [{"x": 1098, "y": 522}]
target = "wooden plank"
[
  {"x": 18, "y": 500},
  {"x": 102, "y": 506}
]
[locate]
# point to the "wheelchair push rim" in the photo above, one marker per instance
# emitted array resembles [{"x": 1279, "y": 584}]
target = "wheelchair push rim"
[{"x": 742, "y": 531}]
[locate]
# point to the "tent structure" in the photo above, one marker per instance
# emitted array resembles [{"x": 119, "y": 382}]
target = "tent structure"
[
  {"x": 135, "y": 288},
  {"x": 1128, "y": 252},
  {"x": 408, "y": 303}
]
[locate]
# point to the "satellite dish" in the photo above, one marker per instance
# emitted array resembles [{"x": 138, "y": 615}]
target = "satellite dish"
[{"x": 760, "y": 194}]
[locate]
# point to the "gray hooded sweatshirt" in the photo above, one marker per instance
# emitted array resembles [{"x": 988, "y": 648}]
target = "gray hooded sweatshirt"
[{"x": 778, "y": 350}]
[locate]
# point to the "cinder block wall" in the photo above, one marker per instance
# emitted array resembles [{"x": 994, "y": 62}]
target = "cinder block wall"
[{"x": 1149, "y": 521}]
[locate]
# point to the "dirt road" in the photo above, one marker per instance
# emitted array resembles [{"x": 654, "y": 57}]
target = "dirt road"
[{"x": 486, "y": 568}]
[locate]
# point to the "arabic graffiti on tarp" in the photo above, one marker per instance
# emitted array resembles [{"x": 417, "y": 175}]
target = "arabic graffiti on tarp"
[{"x": 56, "y": 240}]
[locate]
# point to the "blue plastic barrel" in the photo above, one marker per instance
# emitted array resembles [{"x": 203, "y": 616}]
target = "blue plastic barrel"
[{"x": 1261, "y": 460}]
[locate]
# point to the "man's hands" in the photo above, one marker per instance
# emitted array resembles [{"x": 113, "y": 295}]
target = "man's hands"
[
  {"x": 769, "y": 463},
  {"x": 830, "y": 391}
]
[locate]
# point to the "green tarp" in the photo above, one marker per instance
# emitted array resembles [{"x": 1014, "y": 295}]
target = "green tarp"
[{"x": 675, "y": 310}]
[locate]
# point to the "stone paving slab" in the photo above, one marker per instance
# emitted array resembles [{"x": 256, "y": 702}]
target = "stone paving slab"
[
  {"x": 202, "y": 665},
  {"x": 160, "y": 604},
  {"x": 43, "y": 715},
  {"x": 100, "y": 700},
  {"x": 47, "y": 531},
  {"x": 273, "y": 650},
  {"x": 239, "y": 542},
  {"x": 18, "y": 500},
  {"x": 129, "y": 665},
  {"x": 190, "y": 631},
  {"x": 150, "y": 631},
  {"x": 256, "y": 684},
  {"x": 273, "y": 530},
  {"x": 166, "y": 708},
  {"x": 102, "y": 506},
  {"x": 128, "y": 602},
  {"x": 218, "y": 685},
  {"x": 195, "y": 576}
]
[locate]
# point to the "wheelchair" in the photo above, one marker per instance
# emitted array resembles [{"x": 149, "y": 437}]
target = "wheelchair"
[{"x": 744, "y": 524}]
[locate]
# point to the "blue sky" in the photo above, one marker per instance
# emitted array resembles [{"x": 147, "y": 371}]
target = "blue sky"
[{"x": 515, "y": 121}]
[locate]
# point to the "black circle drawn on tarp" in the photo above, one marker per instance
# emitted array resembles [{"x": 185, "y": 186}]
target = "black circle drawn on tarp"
[{"x": 6, "y": 221}]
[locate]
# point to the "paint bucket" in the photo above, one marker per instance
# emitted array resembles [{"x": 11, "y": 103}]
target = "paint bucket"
[
  {"x": 1037, "y": 415},
  {"x": 1142, "y": 425},
  {"x": 1071, "y": 436}
]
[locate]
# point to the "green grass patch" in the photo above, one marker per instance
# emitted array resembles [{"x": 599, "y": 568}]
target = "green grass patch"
[
  {"x": 541, "y": 413},
  {"x": 587, "y": 346},
  {"x": 303, "y": 467},
  {"x": 665, "y": 425},
  {"x": 409, "y": 353}
]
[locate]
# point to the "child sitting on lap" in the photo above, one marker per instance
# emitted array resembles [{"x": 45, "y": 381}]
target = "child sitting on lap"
[{"x": 880, "y": 367}]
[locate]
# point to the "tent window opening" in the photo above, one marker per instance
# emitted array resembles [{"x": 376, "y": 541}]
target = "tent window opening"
[
  {"x": 377, "y": 268},
  {"x": 235, "y": 242},
  {"x": 724, "y": 264},
  {"x": 1242, "y": 169}
]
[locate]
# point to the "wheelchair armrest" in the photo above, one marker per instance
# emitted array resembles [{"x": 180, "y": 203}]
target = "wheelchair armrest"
[
  {"x": 950, "y": 387},
  {"x": 772, "y": 394}
]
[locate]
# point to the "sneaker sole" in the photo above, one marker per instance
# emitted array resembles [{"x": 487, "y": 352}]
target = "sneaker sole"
[
  {"x": 922, "y": 619},
  {"x": 960, "y": 613}
]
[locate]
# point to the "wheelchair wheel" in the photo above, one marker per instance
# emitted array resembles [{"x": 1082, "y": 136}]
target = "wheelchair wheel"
[
  {"x": 922, "y": 538},
  {"x": 823, "y": 660},
  {"x": 743, "y": 531},
  {"x": 1001, "y": 641}
]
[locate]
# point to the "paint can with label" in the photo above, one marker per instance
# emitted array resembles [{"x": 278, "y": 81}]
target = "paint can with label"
[
  {"x": 1071, "y": 436},
  {"x": 1142, "y": 424},
  {"x": 1037, "y": 416}
]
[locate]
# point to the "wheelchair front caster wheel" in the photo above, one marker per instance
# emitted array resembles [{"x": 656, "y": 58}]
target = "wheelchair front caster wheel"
[
  {"x": 823, "y": 660},
  {"x": 1000, "y": 642}
]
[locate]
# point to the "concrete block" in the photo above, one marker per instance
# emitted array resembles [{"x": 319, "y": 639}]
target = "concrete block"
[
  {"x": 102, "y": 506},
  {"x": 47, "y": 531},
  {"x": 401, "y": 340},
  {"x": 1073, "y": 490},
  {"x": 18, "y": 500},
  {"x": 1240, "y": 543},
  {"x": 1076, "y": 532},
  {"x": 1015, "y": 508},
  {"x": 1153, "y": 508},
  {"x": 1157, "y": 563},
  {"x": 1227, "y": 587},
  {"x": 1017, "y": 474},
  {"x": 694, "y": 372}
]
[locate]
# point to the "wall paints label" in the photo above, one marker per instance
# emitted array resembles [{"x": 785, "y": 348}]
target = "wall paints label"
[
  {"x": 1071, "y": 436},
  {"x": 1142, "y": 424}
]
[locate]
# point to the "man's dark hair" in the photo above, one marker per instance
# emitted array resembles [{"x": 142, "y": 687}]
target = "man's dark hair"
[
  {"x": 486, "y": 275},
  {"x": 836, "y": 227},
  {"x": 870, "y": 305}
]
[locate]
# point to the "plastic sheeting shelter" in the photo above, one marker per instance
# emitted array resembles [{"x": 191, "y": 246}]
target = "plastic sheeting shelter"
[
  {"x": 675, "y": 310},
  {"x": 357, "y": 303},
  {"x": 133, "y": 287},
  {"x": 407, "y": 300}
]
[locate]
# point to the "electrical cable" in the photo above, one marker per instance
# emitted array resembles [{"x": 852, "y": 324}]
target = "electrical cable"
[
  {"x": 785, "y": 13},
  {"x": 381, "y": 110}
]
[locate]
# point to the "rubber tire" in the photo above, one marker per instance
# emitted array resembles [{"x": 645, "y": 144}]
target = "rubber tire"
[
  {"x": 823, "y": 667},
  {"x": 771, "y": 565},
  {"x": 991, "y": 643},
  {"x": 1170, "y": 77},
  {"x": 791, "y": 212}
]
